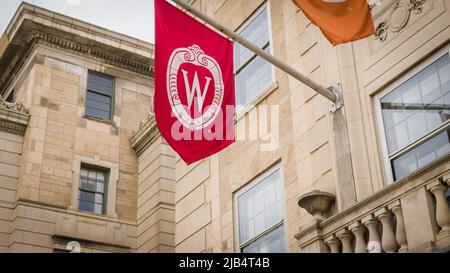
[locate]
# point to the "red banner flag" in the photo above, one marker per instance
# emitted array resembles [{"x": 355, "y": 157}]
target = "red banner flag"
[{"x": 194, "y": 86}]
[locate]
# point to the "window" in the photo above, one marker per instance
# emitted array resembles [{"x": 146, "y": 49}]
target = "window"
[
  {"x": 259, "y": 214},
  {"x": 99, "y": 96},
  {"x": 92, "y": 190},
  {"x": 415, "y": 118},
  {"x": 252, "y": 73}
]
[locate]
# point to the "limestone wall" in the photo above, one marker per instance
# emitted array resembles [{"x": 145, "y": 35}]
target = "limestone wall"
[
  {"x": 339, "y": 153},
  {"x": 59, "y": 137},
  {"x": 13, "y": 123}
]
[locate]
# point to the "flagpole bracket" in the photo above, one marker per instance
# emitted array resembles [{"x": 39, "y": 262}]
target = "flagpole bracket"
[{"x": 337, "y": 90}]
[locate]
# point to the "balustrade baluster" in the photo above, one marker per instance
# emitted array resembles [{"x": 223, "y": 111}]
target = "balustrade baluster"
[
  {"x": 374, "y": 244},
  {"x": 442, "y": 208},
  {"x": 388, "y": 241},
  {"x": 346, "y": 239},
  {"x": 358, "y": 230},
  {"x": 400, "y": 231}
]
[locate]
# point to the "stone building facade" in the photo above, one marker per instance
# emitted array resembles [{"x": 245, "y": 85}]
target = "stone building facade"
[{"x": 82, "y": 161}]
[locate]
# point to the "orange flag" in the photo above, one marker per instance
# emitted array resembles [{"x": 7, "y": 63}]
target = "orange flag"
[{"x": 340, "y": 21}]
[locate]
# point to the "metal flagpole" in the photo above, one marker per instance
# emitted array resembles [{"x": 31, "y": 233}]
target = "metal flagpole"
[{"x": 327, "y": 93}]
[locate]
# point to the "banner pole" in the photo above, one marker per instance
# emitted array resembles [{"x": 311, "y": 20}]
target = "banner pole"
[{"x": 258, "y": 51}]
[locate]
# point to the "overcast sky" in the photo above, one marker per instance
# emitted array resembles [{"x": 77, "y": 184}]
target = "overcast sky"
[{"x": 130, "y": 17}]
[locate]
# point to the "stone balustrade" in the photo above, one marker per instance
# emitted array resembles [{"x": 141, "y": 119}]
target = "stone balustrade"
[{"x": 411, "y": 215}]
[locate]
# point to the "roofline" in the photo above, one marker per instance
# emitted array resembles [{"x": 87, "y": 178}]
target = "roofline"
[{"x": 38, "y": 13}]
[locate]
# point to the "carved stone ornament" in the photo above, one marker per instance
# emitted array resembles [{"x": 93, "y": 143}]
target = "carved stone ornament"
[
  {"x": 13, "y": 117},
  {"x": 381, "y": 31},
  {"x": 16, "y": 107},
  {"x": 316, "y": 203},
  {"x": 398, "y": 17}
]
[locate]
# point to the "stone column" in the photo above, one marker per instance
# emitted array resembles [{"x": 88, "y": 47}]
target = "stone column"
[
  {"x": 342, "y": 160},
  {"x": 388, "y": 241},
  {"x": 156, "y": 190}
]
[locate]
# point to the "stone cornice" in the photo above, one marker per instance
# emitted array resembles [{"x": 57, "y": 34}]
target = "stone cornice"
[
  {"x": 13, "y": 117},
  {"x": 146, "y": 134},
  {"x": 94, "y": 51},
  {"x": 74, "y": 46},
  {"x": 32, "y": 26}
]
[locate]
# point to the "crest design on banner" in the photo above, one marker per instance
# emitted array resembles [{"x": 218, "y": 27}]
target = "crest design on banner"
[{"x": 194, "y": 86}]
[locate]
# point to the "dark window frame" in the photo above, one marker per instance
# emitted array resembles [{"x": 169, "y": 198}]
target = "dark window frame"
[
  {"x": 112, "y": 97},
  {"x": 106, "y": 173}
]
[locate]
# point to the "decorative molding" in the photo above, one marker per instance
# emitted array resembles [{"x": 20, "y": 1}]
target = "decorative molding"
[
  {"x": 145, "y": 135},
  {"x": 74, "y": 46},
  {"x": 13, "y": 117},
  {"x": 17, "y": 106},
  {"x": 96, "y": 52},
  {"x": 398, "y": 17}
]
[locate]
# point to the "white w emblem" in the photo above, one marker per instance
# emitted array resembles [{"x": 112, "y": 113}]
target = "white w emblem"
[
  {"x": 195, "y": 89},
  {"x": 195, "y": 56}
]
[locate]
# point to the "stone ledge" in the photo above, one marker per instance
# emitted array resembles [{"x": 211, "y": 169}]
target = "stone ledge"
[
  {"x": 61, "y": 240},
  {"x": 13, "y": 117},
  {"x": 146, "y": 134}
]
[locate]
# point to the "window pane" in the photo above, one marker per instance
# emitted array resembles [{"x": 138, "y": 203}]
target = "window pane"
[
  {"x": 99, "y": 198},
  {"x": 92, "y": 174},
  {"x": 256, "y": 32},
  {"x": 83, "y": 173},
  {"x": 443, "y": 65},
  {"x": 98, "y": 105},
  {"x": 260, "y": 207},
  {"x": 91, "y": 196},
  {"x": 86, "y": 206},
  {"x": 270, "y": 243},
  {"x": 100, "y": 176},
  {"x": 418, "y": 106},
  {"x": 98, "y": 208},
  {"x": 422, "y": 155},
  {"x": 83, "y": 183},
  {"x": 429, "y": 84},
  {"x": 252, "y": 77},
  {"x": 100, "y": 83},
  {"x": 434, "y": 113},
  {"x": 417, "y": 126},
  {"x": 252, "y": 80},
  {"x": 99, "y": 96},
  {"x": 97, "y": 113},
  {"x": 100, "y": 187}
]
